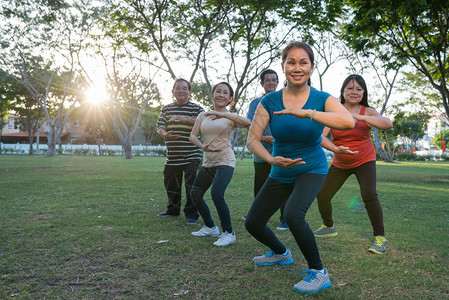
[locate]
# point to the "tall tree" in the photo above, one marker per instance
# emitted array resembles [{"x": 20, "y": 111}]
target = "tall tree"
[
  {"x": 227, "y": 40},
  {"x": 423, "y": 97},
  {"x": 28, "y": 113},
  {"x": 415, "y": 30},
  {"x": 41, "y": 53},
  {"x": 5, "y": 103},
  {"x": 130, "y": 90},
  {"x": 175, "y": 30}
]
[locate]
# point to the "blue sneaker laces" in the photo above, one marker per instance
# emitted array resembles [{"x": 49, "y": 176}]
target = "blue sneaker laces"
[
  {"x": 310, "y": 275},
  {"x": 270, "y": 254}
]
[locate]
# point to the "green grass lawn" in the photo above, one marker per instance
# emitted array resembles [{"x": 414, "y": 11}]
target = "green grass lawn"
[{"x": 77, "y": 227}]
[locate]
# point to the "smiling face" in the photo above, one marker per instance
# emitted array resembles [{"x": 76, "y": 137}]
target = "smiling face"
[
  {"x": 297, "y": 67},
  {"x": 221, "y": 95},
  {"x": 270, "y": 83},
  {"x": 353, "y": 92},
  {"x": 181, "y": 92}
]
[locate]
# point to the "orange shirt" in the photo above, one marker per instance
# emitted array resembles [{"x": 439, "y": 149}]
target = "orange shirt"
[{"x": 357, "y": 139}]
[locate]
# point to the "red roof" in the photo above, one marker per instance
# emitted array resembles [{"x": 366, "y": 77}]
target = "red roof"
[{"x": 25, "y": 134}]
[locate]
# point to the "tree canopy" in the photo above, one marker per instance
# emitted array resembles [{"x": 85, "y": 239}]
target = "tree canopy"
[
  {"x": 48, "y": 46},
  {"x": 413, "y": 30},
  {"x": 410, "y": 127}
]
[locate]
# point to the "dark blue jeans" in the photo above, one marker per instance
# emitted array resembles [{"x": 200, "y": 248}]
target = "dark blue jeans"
[
  {"x": 219, "y": 178},
  {"x": 297, "y": 197}
]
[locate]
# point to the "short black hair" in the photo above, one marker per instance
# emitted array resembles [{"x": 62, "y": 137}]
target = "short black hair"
[
  {"x": 181, "y": 79},
  {"x": 268, "y": 71}
]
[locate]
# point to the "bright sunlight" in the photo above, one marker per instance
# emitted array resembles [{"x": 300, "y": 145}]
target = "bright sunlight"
[{"x": 97, "y": 93}]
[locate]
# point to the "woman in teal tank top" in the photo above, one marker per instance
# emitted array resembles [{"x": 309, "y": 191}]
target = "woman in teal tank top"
[{"x": 296, "y": 115}]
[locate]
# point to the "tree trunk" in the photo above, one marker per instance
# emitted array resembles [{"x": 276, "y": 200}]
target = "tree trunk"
[
  {"x": 51, "y": 141},
  {"x": 387, "y": 141},
  {"x": 37, "y": 141},
  {"x": 235, "y": 137},
  {"x": 242, "y": 153},
  {"x": 30, "y": 140},
  {"x": 1, "y": 131},
  {"x": 378, "y": 145},
  {"x": 128, "y": 149}
]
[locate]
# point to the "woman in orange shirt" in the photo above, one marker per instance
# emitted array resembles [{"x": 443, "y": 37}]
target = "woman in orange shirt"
[{"x": 354, "y": 154}]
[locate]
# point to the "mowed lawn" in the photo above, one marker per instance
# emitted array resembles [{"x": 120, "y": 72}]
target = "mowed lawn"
[{"x": 77, "y": 227}]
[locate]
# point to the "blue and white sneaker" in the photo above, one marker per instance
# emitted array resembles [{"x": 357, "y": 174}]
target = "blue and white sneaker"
[
  {"x": 272, "y": 258},
  {"x": 313, "y": 282}
]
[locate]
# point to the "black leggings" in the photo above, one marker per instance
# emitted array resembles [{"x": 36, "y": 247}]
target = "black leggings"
[
  {"x": 297, "y": 196},
  {"x": 261, "y": 173},
  {"x": 366, "y": 176}
]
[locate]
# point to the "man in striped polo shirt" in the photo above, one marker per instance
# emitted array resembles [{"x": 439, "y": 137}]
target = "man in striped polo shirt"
[{"x": 174, "y": 126}]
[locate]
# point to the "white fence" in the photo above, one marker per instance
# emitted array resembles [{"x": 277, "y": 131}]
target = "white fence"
[
  {"x": 84, "y": 149},
  {"x": 143, "y": 150},
  {"x": 137, "y": 150}
]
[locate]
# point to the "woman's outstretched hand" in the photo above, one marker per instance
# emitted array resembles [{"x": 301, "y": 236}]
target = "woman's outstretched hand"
[
  {"x": 208, "y": 148},
  {"x": 213, "y": 114},
  {"x": 296, "y": 112},
  {"x": 345, "y": 150},
  {"x": 280, "y": 161}
]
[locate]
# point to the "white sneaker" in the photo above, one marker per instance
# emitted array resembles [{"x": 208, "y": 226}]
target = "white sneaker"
[
  {"x": 206, "y": 231},
  {"x": 226, "y": 239}
]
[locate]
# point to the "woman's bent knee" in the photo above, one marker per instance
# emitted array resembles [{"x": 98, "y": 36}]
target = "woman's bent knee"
[{"x": 253, "y": 227}]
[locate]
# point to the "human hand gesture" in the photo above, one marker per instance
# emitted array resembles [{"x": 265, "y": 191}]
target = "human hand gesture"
[
  {"x": 208, "y": 148},
  {"x": 213, "y": 114},
  {"x": 286, "y": 162},
  {"x": 358, "y": 117},
  {"x": 169, "y": 135},
  {"x": 175, "y": 119},
  {"x": 296, "y": 112},
  {"x": 345, "y": 150},
  {"x": 267, "y": 139}
]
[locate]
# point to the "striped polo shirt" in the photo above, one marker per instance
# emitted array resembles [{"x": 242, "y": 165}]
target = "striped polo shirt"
[{"x": 180, "y": 151}]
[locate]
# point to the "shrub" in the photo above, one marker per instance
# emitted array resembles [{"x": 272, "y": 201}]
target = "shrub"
[
  {"x": 109, "y": 152},
  {"x": 406, "y": 156},
  {"x": 159, "y": 152},
  {"x": 423, "y": 157},
  {"x": 146, "y": 152},
  {"x": 443, "y": 156}
]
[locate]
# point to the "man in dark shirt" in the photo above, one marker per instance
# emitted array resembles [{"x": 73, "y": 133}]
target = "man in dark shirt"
[
  {"x": 269, "y": 81},
  {"x": 174, "y": 126}
]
